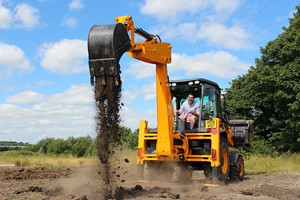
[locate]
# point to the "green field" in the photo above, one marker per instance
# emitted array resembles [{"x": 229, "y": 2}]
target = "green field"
[
  {"x": 253, "y": 163},
  {"x": 32, "y": 159},
  {"x": 266, "y": 164}
]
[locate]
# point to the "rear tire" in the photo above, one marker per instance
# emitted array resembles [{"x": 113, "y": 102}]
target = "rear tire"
[{"x": 237, "y": 169}]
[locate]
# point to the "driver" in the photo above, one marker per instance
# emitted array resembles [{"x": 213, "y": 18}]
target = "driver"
[{"x": 189, "y": 111}]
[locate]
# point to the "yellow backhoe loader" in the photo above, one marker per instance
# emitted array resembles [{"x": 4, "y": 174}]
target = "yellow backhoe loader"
[{"x": 206, "y": 146}]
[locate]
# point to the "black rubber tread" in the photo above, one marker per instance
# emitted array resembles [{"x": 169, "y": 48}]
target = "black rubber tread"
[{"x": 235, "y": 170}]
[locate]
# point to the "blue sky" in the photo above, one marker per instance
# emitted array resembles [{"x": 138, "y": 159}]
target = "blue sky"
[{"x": 44, "y": 77}]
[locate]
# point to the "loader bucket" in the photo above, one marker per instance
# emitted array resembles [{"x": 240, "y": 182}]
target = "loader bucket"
[{"x": 106, "y": 45}]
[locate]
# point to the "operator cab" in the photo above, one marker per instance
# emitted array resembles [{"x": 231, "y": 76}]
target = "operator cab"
[{"x": 206, "y": 93}]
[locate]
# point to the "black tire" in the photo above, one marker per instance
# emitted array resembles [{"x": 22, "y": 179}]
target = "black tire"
[
  {"x": 223, "y": 169},
  {"x": 237, "y": 170}
]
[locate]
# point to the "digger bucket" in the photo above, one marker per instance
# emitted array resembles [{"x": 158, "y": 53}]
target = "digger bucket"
[{"x": 106, "y": 45}]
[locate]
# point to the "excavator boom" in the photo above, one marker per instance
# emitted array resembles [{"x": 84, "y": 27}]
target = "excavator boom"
[{"x": 106, "y": 45}]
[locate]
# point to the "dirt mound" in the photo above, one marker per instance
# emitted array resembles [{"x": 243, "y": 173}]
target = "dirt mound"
[
  {"x": 34, "y": 173},
  {"x": 48, "y": 192},
  {"x": 149, "y": 192}
]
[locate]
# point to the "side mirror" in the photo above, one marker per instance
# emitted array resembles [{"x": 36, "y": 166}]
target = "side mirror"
[{"x": 226, "y": 114}]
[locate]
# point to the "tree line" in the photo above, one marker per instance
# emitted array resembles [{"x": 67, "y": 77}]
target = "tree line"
[
  {"x": 84, "y": 146},
  {"x": 269, "y": 93}
]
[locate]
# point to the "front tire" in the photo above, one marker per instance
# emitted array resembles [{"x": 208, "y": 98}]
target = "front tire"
[
  {"x": 237, "y": 169},
  {"x": 223, "y": 169}
]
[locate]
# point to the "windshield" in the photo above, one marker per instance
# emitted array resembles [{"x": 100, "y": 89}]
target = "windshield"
[{"x": 210, "y": 104}]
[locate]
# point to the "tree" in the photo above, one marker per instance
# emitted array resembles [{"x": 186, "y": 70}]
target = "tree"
[
  {"x": 81, "y": 145},
  {"x": 59, "y": 146},
  {"x": 270, "y": 92},
  {"x": 42, "y": 145},
  {"x": 129, "y": 138}
]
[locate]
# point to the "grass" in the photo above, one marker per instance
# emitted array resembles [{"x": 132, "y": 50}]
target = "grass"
[
  {"x": 253, "y": 163},
  {"x": 31, "y": 159},
  {"x": 267, "y": 164}
]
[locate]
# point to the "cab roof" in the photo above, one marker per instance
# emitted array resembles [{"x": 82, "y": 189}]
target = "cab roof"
[{"x": 187, "y": 81}]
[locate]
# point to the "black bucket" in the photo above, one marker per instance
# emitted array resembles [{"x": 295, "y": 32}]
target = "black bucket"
[{"x": 106, "y": 45}]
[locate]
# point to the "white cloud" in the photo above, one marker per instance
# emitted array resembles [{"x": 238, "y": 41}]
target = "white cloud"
[
  {"x": 5, "y": 17},
  {"x": 149, "y": 91},
  {"x": 66, "y": 56},
  {"x": 228, "y": 6},
  {"x": 184, "y": 31},
  {"x": 210, "y": 25},
  {"x": 75, "y": 4},
  {"x": 70, "y": 22},
  {"x": 128, "y": 97},
  {"x": 234, "y": 37},
  {"x": 70, "y": 113},
  {"x": 172, "y": 9},
  {"x": 131, "y": 117},
  {"x": 26, "y": 16},
  {"x": 141, "y": 70},
  {"x": 216, "y": 63},
  {"x": 27, "y": 97},
  {"x": 216, "y": 34},
  {"x": 76, "y": 95},
  {"x": 13, "y": 65}
]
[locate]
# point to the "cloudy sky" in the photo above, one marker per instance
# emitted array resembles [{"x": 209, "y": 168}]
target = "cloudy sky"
[{"x": 44, "y": 77}]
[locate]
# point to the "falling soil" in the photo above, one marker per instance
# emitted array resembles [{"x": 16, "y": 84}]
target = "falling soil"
[{"x": 107, "y": 96}]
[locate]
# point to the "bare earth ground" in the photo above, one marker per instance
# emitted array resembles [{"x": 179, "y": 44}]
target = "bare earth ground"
[{"x": 84, "y": 183}]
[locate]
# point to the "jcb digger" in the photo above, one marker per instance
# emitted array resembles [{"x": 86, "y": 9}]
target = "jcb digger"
[{"x": 206, "y": 146}]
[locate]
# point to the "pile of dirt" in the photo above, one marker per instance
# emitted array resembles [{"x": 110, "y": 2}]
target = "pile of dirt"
[
  {"x": 48, "y": 192},
  {"x": 149, "y": 192},
  {"x": 34, "y": 173}
]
